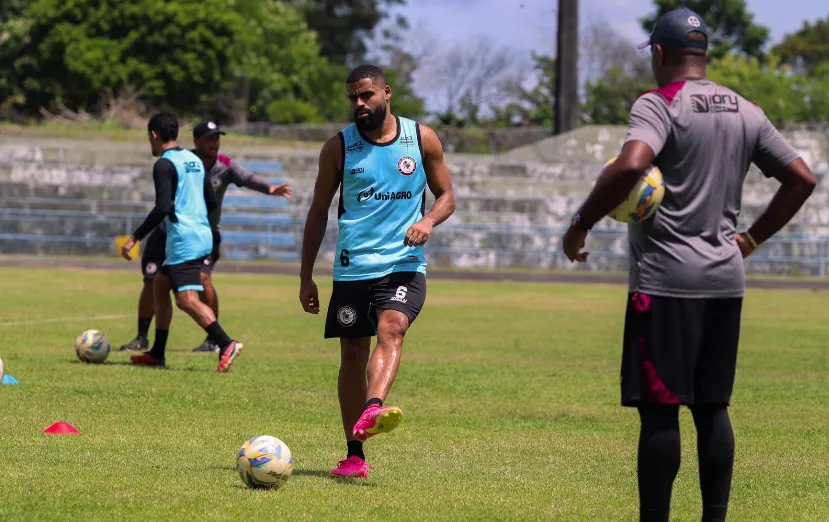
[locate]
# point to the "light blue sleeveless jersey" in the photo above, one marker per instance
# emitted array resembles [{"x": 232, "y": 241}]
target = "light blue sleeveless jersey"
[
  {"x": 382, "y": 194},
  {"x": 188, "y": 232}
]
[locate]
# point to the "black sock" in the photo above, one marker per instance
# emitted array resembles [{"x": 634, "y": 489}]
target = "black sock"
[
  {"x": 160, "y": 344},
  {"x": 658, "y": 460},
  {"x": 218, "y": 335},
  {"x": 144, "y": 326},
  {"x": 374, "y": 401},
  {"x": 355, "y": 449},
  {"x": 715, "y": 447}
]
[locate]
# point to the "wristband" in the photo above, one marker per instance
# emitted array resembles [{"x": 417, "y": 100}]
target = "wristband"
[{"x": 751, "y": 240}]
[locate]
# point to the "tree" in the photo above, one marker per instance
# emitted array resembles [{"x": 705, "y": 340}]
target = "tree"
[
  {"x": 469, "y": 76},
  {"x": 806, "y": 49},
  {"x": 285, "y": 81},
  {"x": 14, "y": 43},
  {"x": 609, "y": 99},
  {"x": 530, "y": 105},
  {"x": 77, "y": 49},
  {"x": 344, "y": 26},
  {"x": 779, "y": 93},
  {"x": 731, "y": 23},
  {"x": 618, "y": 75}
]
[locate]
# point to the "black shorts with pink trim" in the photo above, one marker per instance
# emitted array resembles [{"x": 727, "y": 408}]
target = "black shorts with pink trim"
[{"x": 679, "y": 350}]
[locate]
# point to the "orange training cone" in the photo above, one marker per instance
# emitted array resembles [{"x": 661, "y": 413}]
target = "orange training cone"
[{"x": 62, "y": 428}]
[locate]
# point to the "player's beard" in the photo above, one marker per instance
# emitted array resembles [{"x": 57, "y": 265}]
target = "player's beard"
[{"x": 374, "y": 120}]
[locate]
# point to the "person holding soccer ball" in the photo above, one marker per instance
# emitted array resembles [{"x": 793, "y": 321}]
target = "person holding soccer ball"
[{"x": 687, "y": 278}]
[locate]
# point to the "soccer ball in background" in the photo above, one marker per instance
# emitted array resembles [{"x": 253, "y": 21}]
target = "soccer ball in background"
[
  {"x": 92, "y": 346},
  {"x": 1, "y": 370},
  {"x": 265, "y": 462},
  {"x": 643, "y": 200}
]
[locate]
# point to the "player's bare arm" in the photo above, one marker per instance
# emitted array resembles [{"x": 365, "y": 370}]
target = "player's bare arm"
[
  {"x": 612, "y": 187},
  {"x": 440, "y": 183},
  {"x": 325, "y": 187},
  {"x": 796, "y": 185}
]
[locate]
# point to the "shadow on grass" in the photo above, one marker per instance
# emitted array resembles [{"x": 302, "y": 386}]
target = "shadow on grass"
[
  {"x": 327, "y": 475},
  {"x": 130, "y": 364},
  {"x": 318, "y": 473}
]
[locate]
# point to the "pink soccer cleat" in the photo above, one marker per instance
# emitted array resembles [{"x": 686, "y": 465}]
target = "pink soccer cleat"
[
  {"x": 227, "y": 356},
  {"x": 352, "y": 467},
  {"x": 376, "y": 420},
  {"x": 145, "y": 359}
]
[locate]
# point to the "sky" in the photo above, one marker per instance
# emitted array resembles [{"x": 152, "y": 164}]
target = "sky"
[{"x": 529, "y": 25}]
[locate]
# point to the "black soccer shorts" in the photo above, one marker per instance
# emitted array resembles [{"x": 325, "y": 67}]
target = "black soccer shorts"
[
  {"x": 154, "y": 254},
  {"x": 211, "y": 260},
  {"x": 352, "y": 311},
  {"x": 679, "y": 350},
  {"x": 185, "y": 276}
]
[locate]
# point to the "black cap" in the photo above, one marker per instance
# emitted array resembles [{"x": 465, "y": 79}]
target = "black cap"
[
  {"x": 674, "y": 27},
  {"x": 206, "y": 128}
]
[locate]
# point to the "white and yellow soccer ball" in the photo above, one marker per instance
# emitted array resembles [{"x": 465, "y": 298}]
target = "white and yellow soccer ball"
[
  {"x": 643, "y": 200},
  {"x": 265, "y": 462},
  {"x": 92, "y": 346}
]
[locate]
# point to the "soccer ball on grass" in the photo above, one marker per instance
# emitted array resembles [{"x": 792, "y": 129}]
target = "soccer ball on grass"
[
  {"x": 643, "y": 200},
  {"x": 92, "y": 346},
  {"x": 264, "y": 462}
]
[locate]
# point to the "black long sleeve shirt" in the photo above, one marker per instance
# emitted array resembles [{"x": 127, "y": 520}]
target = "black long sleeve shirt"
[{"x": 165, "y": 178}]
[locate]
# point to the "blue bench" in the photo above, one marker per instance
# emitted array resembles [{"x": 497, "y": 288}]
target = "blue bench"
[
  {"x": 262, "y": 166},
  {"x": 247, "y": 238},
  {"x": 257, "y": 202}
]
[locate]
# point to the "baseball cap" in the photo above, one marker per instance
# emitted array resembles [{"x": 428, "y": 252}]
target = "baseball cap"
[
  {"x": 673, "y": 28},
  {"x": 206, "y": 128}
]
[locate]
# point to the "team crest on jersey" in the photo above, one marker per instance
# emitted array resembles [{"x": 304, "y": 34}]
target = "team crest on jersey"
[
  {"x": 346, "y": 316},
  {"x": 406, "y": 165}
]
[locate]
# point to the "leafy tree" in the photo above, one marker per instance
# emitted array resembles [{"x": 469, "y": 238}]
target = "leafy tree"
[
  {"x": 75, "y": 49},
  {"x": 769, "y": 85},
  {"x": 534, "y": 105},
  {"x": 344, "y": 26},
  {"x": 731, "y": 23},
  {"x": 806, "y": 49},
  {"x": 610, "y": 98},
  {"x": 285, "y": 81}
]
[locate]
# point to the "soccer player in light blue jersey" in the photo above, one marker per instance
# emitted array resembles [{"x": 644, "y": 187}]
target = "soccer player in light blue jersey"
[
  {"x": 183, "y": 198},
  {"x": 381, "y": 165}
]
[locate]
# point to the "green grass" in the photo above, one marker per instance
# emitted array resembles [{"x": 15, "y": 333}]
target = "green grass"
[
  {"x": 101, "y": 131},
  {"x": 510, "y": 393}
]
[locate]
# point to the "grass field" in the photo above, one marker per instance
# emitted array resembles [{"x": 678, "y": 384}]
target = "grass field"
[
  {"x": 99, "y": 131},
  {"x": 510, "y": 393}
]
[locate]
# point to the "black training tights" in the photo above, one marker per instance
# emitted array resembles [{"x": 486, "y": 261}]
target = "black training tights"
[{"x": 659, "y": 457}]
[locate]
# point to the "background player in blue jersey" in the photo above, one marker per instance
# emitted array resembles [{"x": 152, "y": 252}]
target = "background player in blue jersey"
[
  {"x": 183, "y": 198},
  {"x": 222, "y": 171},
  {"x": 381, "y": 164}
]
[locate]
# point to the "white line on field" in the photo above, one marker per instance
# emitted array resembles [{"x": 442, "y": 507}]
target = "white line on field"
[{"x": 64, "y": 319}]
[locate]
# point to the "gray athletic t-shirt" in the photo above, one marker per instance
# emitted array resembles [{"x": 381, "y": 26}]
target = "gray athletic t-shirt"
[{"x": 705, "y": 138}]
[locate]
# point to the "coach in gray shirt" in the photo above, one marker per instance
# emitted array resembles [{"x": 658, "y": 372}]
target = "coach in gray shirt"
[{"x": 687, "y": 278}]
